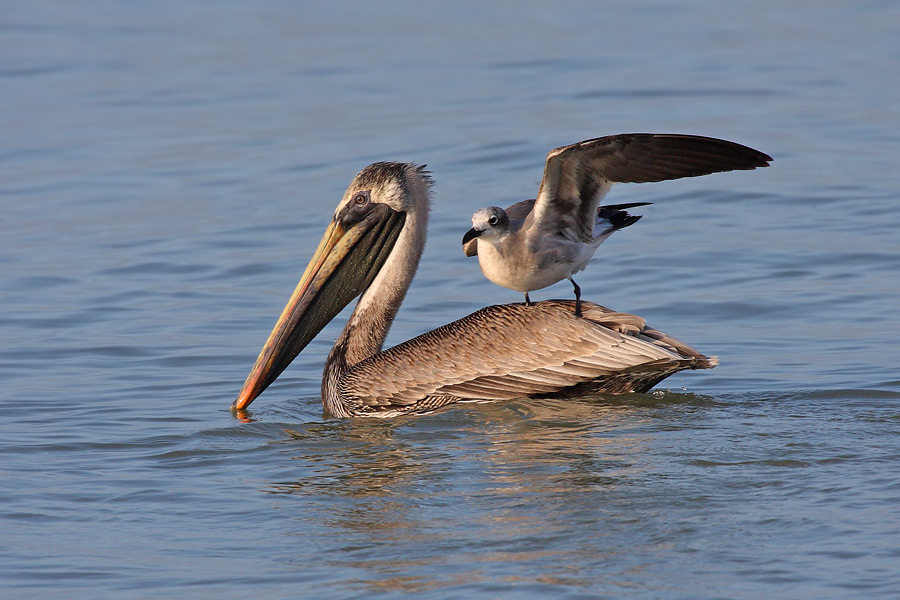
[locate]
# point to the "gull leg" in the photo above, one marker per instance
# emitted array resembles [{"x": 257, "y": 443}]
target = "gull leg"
[
  {"x": 577, "y": 297},
  {"x": 527, "y": 300}
]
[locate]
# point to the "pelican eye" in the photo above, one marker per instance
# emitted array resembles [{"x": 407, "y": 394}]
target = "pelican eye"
[
  {"x": 493, "y": 220},
  {"x": 361, "y": 198}
]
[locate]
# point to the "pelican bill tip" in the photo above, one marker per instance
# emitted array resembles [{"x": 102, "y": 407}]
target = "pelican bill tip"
[{"x": 242, "y": 401}]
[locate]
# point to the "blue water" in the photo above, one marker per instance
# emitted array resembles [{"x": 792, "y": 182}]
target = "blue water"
[{"x": 167, "y": 168}]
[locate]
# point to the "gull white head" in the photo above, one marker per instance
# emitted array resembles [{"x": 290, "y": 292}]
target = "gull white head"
[
  {"x": 490, "y": 224},
  {"x": 492, "y": 220}
]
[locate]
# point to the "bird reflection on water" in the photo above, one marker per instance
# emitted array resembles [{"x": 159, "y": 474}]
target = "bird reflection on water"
[{"x": 576, "y": 456}]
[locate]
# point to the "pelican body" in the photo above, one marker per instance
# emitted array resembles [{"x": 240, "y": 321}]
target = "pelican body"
[
  {"x": 536, "y": 243},
  {"x": 371, "y": 249}
]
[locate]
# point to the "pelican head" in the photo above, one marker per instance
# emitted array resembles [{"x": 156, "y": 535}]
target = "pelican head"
[
  {"x": 377, "y": 209},
  {"x": 490, "y": 223}
]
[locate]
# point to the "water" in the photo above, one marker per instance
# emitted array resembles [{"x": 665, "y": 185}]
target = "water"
[{"x": 167, "y": 168}]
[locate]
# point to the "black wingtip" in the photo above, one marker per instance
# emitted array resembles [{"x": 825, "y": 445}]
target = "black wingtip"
[{"x": 619, "y": 218}]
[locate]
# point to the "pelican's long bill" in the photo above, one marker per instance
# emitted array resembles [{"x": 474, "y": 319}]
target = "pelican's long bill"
[{"x": 351, "y": 253}]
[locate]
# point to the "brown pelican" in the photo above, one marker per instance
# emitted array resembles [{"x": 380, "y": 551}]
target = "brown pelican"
[
  {"x": 372, "y": 247},
  {"x": 535, "y": 243}
]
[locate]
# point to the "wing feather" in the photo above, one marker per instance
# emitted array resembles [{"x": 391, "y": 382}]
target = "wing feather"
[
  {"x": 577, "y": 177},
  {"x": 512, "y": 351}
]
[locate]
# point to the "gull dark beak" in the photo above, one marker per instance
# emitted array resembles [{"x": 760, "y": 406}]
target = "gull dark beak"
[{"x": 470, "y": 241}]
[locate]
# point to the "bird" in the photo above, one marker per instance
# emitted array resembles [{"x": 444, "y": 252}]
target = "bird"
[
  {"x": 535, "y": 268},
  {"x": 536, "y": 243},
  {"x": 371, "y": 249}
]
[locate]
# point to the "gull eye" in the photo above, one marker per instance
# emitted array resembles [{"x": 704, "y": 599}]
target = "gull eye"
[
  {"x": 493, "y": 220},
  {"x": 361, "y": 198}
]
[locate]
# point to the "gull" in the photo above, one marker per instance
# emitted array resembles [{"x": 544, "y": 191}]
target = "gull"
[{"x": 536, "y": 243}]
